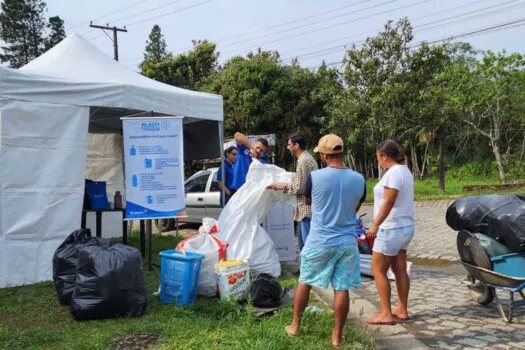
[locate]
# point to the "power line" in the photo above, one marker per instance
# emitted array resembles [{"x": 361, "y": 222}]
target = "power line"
[
  {"x": 292, "y": 21},
  {"x": 163, "y": 15},
  {"x": 339, "y": 39},
  {"x": 345, "y": 39},
  {"x": 493, "y": 28},
  {"x": 480, "y": 31},
  {"x": 172, "y": 12},
  {"x": 309, "y": 24},
  {"x": 148, "y": 11},
  {"x": 108, "y": 14},
  {"x": 418, "y": 29},
  {"x": 336, "y": 24}
]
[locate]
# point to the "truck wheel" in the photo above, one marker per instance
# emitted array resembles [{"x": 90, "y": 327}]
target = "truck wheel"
[{"x": 164, "y": 225}]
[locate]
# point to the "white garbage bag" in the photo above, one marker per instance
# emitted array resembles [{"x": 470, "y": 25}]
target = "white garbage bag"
[
  {"x": 240, "y": 221},
  {"x": 207, "y": 243}
]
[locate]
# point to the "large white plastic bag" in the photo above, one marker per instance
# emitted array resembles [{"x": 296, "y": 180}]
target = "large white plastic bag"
[
  {"x": 240, "y": 221},
  {"x": 213, "y": 250}
]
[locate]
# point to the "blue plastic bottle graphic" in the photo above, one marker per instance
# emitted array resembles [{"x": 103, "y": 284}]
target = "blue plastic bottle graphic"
[
  {"x": 149, "y": 199},
  {"x": 132, "y": 151},
  {"x": 134, "y": 181},
  {"x": 148, "y": 163}
]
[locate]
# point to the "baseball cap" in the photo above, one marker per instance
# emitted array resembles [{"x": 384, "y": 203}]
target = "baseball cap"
[{"x": 330, "y": 144}]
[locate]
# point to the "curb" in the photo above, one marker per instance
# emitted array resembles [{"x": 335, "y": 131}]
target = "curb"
[{"x": 386, "y": 337}]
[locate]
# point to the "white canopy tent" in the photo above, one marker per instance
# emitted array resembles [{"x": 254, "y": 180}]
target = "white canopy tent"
[{"x": 46, "y": 110}]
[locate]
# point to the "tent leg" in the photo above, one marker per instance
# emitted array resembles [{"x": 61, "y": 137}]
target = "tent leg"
[{"x": 221, "y": 169}]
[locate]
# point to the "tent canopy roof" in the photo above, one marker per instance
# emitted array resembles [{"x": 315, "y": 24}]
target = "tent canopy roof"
[{"x": 90, "y": 77}]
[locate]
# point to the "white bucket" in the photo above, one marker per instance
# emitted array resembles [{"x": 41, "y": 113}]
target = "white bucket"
[{"x": 234, "y": 281}]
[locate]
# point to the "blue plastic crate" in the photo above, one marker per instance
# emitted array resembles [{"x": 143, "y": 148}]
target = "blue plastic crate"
[
  {"x": 509, "y": 264},
  {"x": 179, "y": 276}
]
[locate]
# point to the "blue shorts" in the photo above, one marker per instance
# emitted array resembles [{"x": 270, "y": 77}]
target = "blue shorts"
[
  {"x": 390, "y": 241},
  {"x": 338, "y": 265}
]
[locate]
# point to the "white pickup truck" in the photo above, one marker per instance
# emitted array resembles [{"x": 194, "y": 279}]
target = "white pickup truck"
[{"x": 202, "y": 199}]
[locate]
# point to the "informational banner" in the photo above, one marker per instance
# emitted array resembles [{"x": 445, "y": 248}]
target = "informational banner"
[
  {"x": 153, "y": 163},
  {"x": 280, "y": 227}
]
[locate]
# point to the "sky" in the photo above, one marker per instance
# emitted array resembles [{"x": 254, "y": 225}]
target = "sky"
[{"x": 312, "y": 30}]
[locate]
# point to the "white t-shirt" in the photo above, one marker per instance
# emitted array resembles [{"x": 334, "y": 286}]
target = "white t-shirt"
[{"x": 402, "y": 214}]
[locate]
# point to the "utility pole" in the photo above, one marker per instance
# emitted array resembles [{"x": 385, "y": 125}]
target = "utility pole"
[{"x": 115, "y": 40}]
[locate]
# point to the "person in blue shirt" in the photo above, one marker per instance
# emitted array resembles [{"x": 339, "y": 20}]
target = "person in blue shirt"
[
  {"x": 230, "y": 157},
  {"x": 247, "y": 152},
  {"x": 330, "y": 254}
]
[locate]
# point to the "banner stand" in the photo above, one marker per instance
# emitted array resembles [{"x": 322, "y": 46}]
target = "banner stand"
[{"x": 154, "y": 175}]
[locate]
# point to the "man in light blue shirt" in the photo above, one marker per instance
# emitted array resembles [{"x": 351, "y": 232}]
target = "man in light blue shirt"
[{"x": 330, "y": 254}]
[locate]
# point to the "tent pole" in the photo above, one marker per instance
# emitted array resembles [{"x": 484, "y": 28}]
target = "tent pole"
[{"x": 221, "y": 169}]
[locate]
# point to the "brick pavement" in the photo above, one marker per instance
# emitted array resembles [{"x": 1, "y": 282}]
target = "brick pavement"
[
  {"x": 433, "y": 239},
  {"x": 444, "y": 315}
]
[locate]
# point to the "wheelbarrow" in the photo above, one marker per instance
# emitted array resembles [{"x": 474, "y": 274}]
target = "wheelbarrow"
[{"x": 507, "y": 275}]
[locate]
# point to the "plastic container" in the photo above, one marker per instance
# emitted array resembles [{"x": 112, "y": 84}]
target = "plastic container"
[
  {"x": 233, "y": 279},
  {"x": 179, "y": 276}
]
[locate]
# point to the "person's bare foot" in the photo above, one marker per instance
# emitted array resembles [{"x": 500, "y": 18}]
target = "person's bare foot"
[
  {"x": 382, "y": 319},
  {"x": 291, "y": 330},
  {"x": 400, "y": 314},
  {"x": 338, "y": 343}
]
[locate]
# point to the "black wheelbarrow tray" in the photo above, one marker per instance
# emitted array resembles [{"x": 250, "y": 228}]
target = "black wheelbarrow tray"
[{"x": 508, "y": 275}]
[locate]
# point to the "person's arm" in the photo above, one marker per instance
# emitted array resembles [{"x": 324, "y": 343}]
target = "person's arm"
[
  {"x": 223, "y": 188},
  {"x": 307, "y": 190},
  {"x": 297, "y": 184},
  {"x": 392, "y": 183},
  {"x": 388, "y": 204},
  {"x": 242, "y": 140},
  {"x": 363, "y": 198}
]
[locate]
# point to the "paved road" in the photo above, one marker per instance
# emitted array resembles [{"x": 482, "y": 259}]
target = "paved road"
[
  {"x": 444, "y": 315},
  {"x": 433, "y": 239}
]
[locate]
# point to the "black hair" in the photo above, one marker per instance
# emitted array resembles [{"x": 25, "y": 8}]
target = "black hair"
[
  {"x": 264, "y": 142},
  {"x": 298, "y": 139},
  {"x": 229, "y": 150},
  {"x": 391, "y": 149}
]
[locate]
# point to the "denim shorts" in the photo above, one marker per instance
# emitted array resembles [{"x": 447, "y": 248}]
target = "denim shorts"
[
  {"x": 338, "y": 265},
  {"x": 390, "y": 241}
]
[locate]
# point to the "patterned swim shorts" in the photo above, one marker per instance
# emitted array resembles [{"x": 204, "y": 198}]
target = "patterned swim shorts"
[{"x": 338, "y": 265}]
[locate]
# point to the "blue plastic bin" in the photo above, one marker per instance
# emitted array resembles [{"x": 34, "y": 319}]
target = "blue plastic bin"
[
  {"x": 179, "y": 276},
  {"x": 509, "y": 264}
]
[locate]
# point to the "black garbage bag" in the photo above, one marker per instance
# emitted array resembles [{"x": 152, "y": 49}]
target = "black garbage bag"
[
  {"x": 266, "y": 292},
  {"x": 110, "y": 282},
  {"x": 65, "y": 263},
  {"x": 501, "y": 217}
]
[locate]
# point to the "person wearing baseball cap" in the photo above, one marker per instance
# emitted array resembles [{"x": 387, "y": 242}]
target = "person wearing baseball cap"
[{"x": 330, "y": 254}]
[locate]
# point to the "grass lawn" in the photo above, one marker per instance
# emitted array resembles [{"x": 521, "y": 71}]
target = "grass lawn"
[
  {"x": 32, "y": 318},
  {"x": 428, "y": 189}
]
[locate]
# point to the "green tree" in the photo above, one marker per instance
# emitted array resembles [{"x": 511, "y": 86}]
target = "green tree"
[
  {"x": 374, "y": 105},
  {"x": 488, "y": 96},
  {"x": 57, "y": 33},
  {"x": 22, "y": 27},
  {"x": 155, "y": 46},
  {"x": 190, "y": 70}
]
